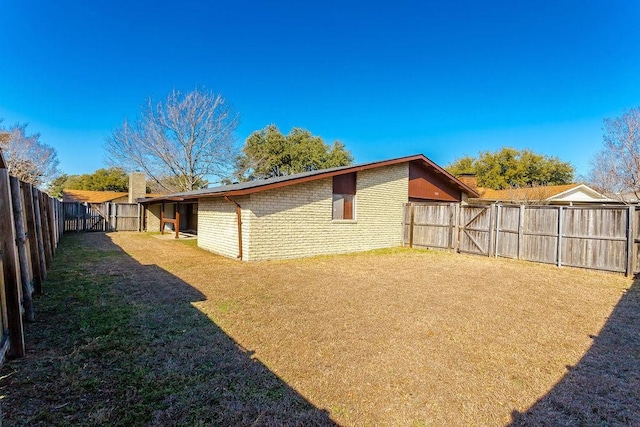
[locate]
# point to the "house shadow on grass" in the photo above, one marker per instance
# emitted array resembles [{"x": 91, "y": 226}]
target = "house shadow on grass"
[
  {"x": 120, "y": 343},
  {"x": 604, "y": 387}
]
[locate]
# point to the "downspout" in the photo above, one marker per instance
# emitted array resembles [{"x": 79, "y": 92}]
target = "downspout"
[{"x": 239, "y": 220}]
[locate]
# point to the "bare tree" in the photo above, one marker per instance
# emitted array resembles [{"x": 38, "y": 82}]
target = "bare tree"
[
  {"x": 179, "y": 143},
  {"x": 616, "y": 168},
  {"x": 28, "y": 159},
  {"x": 530, "y": 194}
]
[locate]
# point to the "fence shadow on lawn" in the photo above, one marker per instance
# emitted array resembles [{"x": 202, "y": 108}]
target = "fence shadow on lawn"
[
  {"x": 604, "y": 387},
  {"x": 168, "y": 364}
]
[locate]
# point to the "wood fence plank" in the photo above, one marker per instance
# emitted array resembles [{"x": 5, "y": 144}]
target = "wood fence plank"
[
  {"x": 456, "y": 242},
  {"x": 411, "y": 224},
  {"x": 3, "y": 315},
  {"x": 39, "y": 233},
  {"x": 32, "y": 235},
  {"x": 559, "y": 242},
  {"x": 11, "y": 270},
  {"x": 21, "y": 242},
  {"x": 631, "y": 214},
  {"x": 498, "y": 211},
  {"x": 46, "y": 236}
]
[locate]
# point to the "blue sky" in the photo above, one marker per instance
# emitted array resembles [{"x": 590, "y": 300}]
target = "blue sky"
[{"x": 386, "y": 78}]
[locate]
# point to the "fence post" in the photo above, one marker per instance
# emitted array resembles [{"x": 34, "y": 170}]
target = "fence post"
[
  {"x": 456, "y": 227},
  {"x": 405, "y": 206},
  {"x": 77, "y": 215},
  {"x": 521, "y": 231},
  {"x": 497, "y": 238},
  {"x": 113, "y": 217},
  {"x": 559, "y": 249},
  {"x": 106, "y": 223},
  {"x": 492, "y": 216},
  {"x": 631, "y": 237}
]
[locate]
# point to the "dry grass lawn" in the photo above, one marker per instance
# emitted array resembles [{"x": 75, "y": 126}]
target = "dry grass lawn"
[{"x": 395, "y": 337}]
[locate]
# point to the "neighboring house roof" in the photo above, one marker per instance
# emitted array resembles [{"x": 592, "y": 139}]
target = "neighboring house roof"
[
  {"x": 90, "y": 196},
  {"x": 578, "y": 193},
  {"x": 244, "y": 188}
]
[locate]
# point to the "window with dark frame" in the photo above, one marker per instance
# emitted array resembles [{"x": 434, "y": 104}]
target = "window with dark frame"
[{"x": 344, "y": 196}]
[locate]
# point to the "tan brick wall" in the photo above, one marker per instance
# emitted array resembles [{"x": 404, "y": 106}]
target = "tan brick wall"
[
  {"x": 218, "y": 227},
  {"x": 153, "y": 218},
  {"x": 296, "y": 221}
]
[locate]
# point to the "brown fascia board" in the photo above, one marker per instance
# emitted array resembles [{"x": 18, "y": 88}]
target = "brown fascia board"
[
  {"x": 320, "y": 175},
  {"x": 160, "y": 199},
  {"x": 455, "y": 181}
]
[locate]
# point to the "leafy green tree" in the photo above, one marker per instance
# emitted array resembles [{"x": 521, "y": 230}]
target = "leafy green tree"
[
  {"x": 268, "y": 153},
  {"x": 110, "y": 179},
  {"x": 509, "y": 168},
  {"x": 56, "y": 185},
  {"x": 462, "y": 166}
]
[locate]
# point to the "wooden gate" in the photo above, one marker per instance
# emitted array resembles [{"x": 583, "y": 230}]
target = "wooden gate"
[
  {"x": 475, "y": 229},
  {"x": 80, "y": 217}
]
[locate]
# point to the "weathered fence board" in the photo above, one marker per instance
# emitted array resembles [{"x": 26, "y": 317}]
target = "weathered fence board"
[
  {"x": 39, "y": 231},
  {"x": 508, "y": 238},
  {"x": 46, "y": 234},
  {"x": 23, "y": 249},
  {"x": 595, "y": 237},
  {"x": 434, "y": 225},
  {"x": 29, "y": 234},
  {"x": 34, "y": 248},
  {"x": 475, "y": 229},
  {"x": 540, "y": 234},
  {"x": 124, "y": 217},
  {"x": 11, "y": 269}
]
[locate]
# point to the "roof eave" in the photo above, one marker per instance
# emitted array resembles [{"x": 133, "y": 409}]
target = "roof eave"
[{"x": 298, "y": 180}]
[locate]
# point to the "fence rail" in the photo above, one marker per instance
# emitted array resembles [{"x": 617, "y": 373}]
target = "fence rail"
[{"x": 594, "y": 237}]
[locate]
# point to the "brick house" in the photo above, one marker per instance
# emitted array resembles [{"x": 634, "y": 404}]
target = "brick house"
[{"x": 337, "y": 210}]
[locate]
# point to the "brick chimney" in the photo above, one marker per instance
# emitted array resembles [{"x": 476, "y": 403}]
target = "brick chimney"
[
  {"x": 469, "y": 179},
  {"x": 137, "y": 186}
]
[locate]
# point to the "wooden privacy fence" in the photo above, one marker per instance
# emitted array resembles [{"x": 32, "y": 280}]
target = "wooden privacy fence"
[
  {"x": 593, "y": 237},
  {"x": 30, "y": 229},
  {"x": 81, "y": 217}
]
